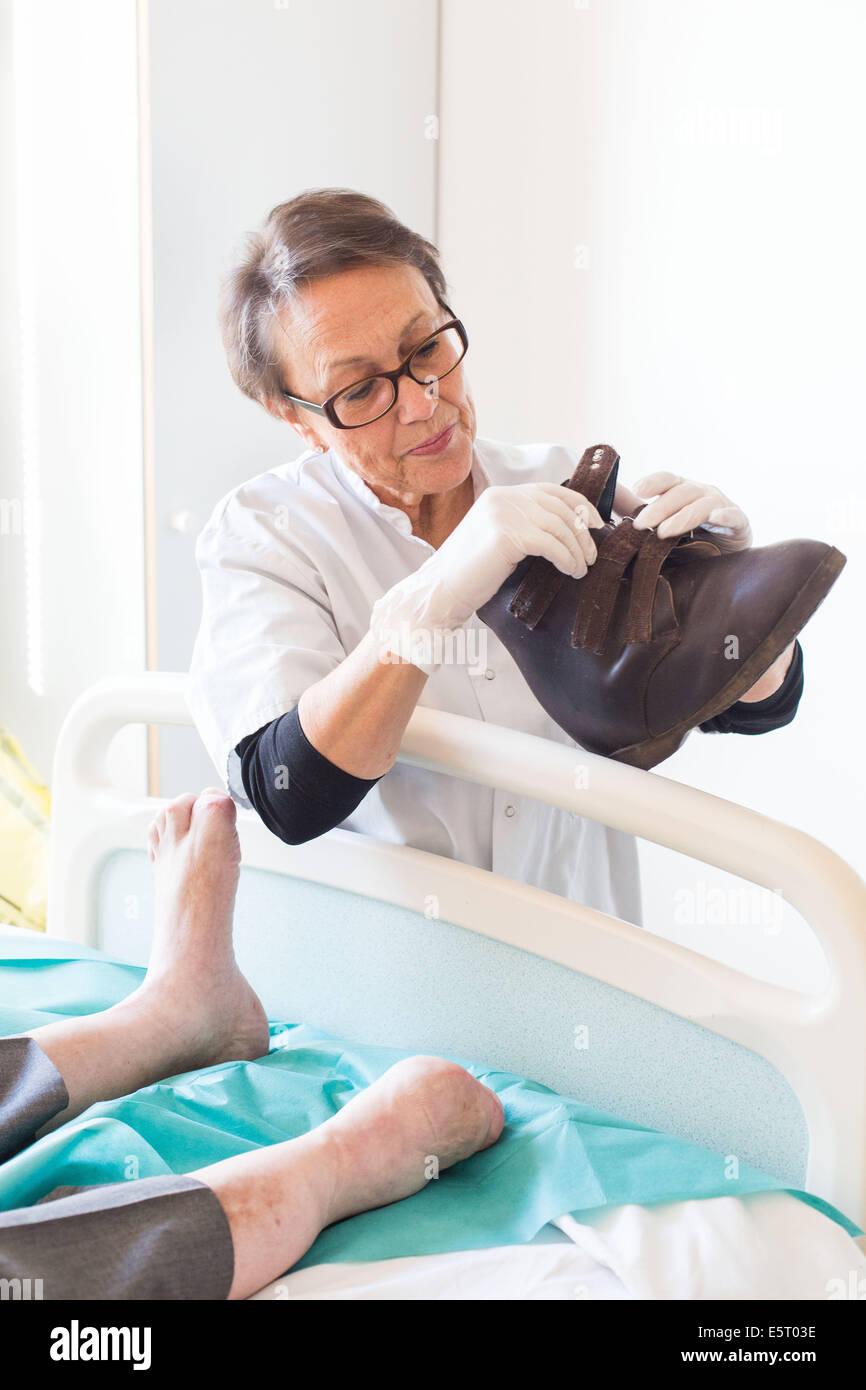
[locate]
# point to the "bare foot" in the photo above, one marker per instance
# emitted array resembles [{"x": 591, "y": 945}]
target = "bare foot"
[
  {"x": 203, "y": 1001},
  {"x": 423, "y": 1115}
]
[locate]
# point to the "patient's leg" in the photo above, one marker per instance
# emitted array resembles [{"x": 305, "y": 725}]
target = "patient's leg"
[
  {"x": 194, "y": 1007},
  {"x": 423, "y": 1115},
  {"x": 137, "y": 1239},
  {"x": 232, "y": 1227}
]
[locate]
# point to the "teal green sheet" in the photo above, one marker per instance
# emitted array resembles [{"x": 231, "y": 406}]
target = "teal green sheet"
[{"x": 556, "y": 1155}]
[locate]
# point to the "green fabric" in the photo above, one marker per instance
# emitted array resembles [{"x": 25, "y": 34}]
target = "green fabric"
[{"x": 556, "y": 1155}]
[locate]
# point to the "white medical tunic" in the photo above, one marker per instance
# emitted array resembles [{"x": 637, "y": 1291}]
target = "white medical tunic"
[{"x": 291, "y": 565}]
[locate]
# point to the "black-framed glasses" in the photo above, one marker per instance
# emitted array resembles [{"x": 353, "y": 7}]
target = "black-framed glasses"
[{"x": 373, "y": 396}]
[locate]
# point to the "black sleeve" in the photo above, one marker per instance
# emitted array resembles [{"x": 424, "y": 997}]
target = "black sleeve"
[
  {"x": 761, "y": 716},
  {"x": 297, "y": 792}
]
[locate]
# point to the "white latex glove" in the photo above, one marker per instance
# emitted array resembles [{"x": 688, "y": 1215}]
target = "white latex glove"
[
  {"x": 500, "y": 529},
  {"x": 679, "y": 506}
]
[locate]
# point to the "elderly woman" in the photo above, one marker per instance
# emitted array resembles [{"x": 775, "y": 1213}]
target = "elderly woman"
[{"x": 323, "y": 576}]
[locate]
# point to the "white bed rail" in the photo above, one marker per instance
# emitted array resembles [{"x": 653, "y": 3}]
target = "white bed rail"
[{"x": 818, "y": 1041}]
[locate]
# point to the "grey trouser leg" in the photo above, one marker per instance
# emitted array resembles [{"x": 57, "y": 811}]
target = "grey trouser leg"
[
  {"x": 162, "y": 1238},
  {"x": 32, "y": 1092}
]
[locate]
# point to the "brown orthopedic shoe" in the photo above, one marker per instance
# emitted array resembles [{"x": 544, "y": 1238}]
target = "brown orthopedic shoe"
[{"x": 659, "y": 635}]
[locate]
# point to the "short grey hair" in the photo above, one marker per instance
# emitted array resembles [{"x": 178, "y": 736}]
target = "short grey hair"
[{"x": 319, "y": 233}]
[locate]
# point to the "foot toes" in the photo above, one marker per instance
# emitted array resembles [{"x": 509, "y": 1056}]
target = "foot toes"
[
  {"x": 177, "y": 814},
  {"x": 214, "y": 799}
]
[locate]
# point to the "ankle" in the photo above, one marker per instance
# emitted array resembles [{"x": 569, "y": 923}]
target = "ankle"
[
  {"x": 146, "y": 1023},
  {"x": 330, "y": 1176}
]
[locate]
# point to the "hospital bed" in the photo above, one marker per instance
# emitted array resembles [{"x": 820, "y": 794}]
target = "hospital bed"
[{"x": 389, "y": 945}]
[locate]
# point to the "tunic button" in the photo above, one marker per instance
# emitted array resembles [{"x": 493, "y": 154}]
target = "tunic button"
[
  {"x": 489, "y": 673},
  {"x": 510, "y": 811}
]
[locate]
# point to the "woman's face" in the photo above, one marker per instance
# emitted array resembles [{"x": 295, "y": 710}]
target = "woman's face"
[{"x": 354, "y": 324}]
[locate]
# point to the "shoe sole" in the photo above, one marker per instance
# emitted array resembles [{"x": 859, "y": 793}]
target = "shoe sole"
[{"x": 652, "y": 751}]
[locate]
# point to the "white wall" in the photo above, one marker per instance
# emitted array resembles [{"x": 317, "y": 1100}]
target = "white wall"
[
  {"x": 70, "y": 435},
  {"x": 663, "y": 204}
]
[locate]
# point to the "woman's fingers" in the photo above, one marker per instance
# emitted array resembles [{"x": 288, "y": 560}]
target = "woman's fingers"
[
  {"x": 729, "y": 515},
  {"x": 678, "y": 506},
  {"x": 687, "y": 518},
  {"x": 566, "y": 501},
  {"x": 568, "y": 557},
  {"x": 657, "y": 482},
  {"x": 584, "y": 538},
  {"x": 568, "y": 534},
  {"x": 546, "y": 519},
  {"x": 669, "y": 503},
  {"x": 577, "y": 515}
]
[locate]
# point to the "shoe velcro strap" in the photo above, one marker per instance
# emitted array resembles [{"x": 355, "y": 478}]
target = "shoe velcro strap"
[
  {"x": 591, "y": 474},
  {"x": 543, "y": 581},
  {"x": 536, "y": 592},
  {"x": 598, "y": 591},
  {"x": 653, "y": 552}
]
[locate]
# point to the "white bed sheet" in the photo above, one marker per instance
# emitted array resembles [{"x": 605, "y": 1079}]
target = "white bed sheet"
[
  {"x": 508, "y": 1272},
  {"x": 765, "y": 1246}
]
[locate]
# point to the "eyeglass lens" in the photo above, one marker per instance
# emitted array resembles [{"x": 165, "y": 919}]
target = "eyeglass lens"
[{"x": 367, "y": 400}]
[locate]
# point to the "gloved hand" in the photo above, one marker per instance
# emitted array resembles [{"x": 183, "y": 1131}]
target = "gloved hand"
[
  {"x": 680, "y": 506},
  {"x": 500, "y": 529}
]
